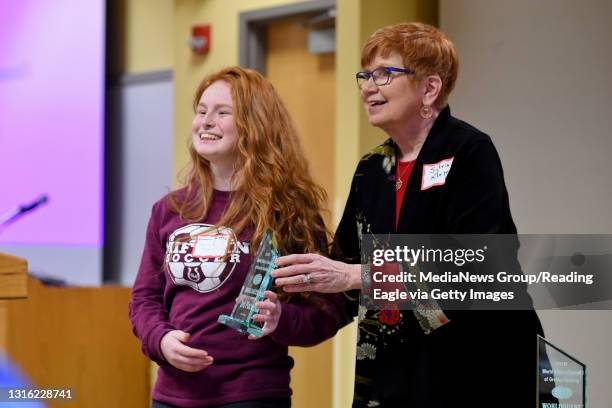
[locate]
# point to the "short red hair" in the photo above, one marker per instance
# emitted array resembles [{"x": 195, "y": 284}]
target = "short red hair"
[{"x": 423, "y": 48}]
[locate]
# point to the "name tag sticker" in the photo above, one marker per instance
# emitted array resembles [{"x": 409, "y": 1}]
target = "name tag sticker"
[
  {"x": 435, "y": 174},
  {"x": 211, "y": 245}
]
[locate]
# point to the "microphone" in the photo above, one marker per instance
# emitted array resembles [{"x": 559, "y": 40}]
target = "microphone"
[{"x": 22, "y": 209}]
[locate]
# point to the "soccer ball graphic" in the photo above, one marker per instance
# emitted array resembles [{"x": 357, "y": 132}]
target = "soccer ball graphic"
[{"x": 201, "y": 274}]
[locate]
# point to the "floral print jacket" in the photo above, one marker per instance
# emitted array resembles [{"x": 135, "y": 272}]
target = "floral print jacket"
[{"x": 400, "y": 361}]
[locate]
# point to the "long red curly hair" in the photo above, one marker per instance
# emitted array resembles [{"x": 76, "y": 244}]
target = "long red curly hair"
[{"x": 273, "y": 188}]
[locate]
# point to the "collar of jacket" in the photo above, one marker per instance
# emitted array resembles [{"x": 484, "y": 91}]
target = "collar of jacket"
[{"x": 385, "y": 191}]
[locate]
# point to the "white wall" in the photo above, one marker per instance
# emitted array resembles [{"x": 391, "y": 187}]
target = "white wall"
[
  {"x": 141, "y": 116},
  {"x": 536, "y": 76}
]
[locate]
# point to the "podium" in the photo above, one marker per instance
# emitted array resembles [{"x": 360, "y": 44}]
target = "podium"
[
  {"x": 13, "y": 277},
  {"x": 72, "y": 337}
]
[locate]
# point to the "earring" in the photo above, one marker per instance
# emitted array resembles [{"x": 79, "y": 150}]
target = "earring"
[{"x": 426, "y": 111}]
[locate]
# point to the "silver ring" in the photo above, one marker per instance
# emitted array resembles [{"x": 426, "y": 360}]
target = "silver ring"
[{"x": 306, "y": 280}]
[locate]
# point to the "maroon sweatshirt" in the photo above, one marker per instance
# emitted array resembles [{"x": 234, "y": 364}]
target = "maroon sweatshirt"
[{"x": 175, "y": 290}]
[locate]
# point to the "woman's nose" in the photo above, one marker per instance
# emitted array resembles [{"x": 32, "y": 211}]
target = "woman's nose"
[{"x": 368, "y": 87}]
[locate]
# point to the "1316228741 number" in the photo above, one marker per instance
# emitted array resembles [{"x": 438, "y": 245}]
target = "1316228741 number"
[{"x": 35, "y": 394}]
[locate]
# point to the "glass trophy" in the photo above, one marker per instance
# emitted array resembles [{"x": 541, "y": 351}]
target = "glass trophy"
[
  {"x": 258, "y": 280},
  {"x": 561, "y": 378}
]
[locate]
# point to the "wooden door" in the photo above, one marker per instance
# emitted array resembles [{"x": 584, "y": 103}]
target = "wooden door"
[{"x": 306, "y": 83}]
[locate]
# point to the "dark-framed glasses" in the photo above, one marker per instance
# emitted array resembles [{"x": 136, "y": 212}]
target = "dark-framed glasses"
[{"x": 381, "y": 76}]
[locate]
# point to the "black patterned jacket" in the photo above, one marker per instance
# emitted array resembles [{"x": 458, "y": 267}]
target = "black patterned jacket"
[{"x": 465, "y": 362}]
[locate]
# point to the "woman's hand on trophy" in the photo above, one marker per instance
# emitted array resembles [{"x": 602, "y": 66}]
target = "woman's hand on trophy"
[
  {"x": 269, "y": 314},
  {"x": 182, "y": 356},
  {"x": 316, "y": 273}
]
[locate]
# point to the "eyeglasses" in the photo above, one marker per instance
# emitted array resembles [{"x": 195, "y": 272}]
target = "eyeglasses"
[{"x": 381, "y": 76}]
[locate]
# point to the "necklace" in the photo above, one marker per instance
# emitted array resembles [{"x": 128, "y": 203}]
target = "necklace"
[{"x": 399, "y": 183}]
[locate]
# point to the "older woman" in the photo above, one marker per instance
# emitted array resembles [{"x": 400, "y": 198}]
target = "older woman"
[{"x": 466, "y": 358}]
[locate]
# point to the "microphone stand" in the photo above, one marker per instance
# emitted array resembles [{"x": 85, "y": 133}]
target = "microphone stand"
[{"x": 20, "y": 210}]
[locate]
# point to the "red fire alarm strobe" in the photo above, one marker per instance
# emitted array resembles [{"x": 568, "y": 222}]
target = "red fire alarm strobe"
[{"x": 200, "y": 39}]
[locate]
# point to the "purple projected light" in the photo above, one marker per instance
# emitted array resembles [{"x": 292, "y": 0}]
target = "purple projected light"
[{"x": 51, "y": 120}]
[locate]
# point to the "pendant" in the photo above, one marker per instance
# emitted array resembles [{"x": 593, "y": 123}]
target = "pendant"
[{"x": 398, "y": 184}]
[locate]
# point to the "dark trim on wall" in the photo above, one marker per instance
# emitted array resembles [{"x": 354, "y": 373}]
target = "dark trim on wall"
[
  {"x": 141, "y": 78},
  {"x": 253, "y": 27}
]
